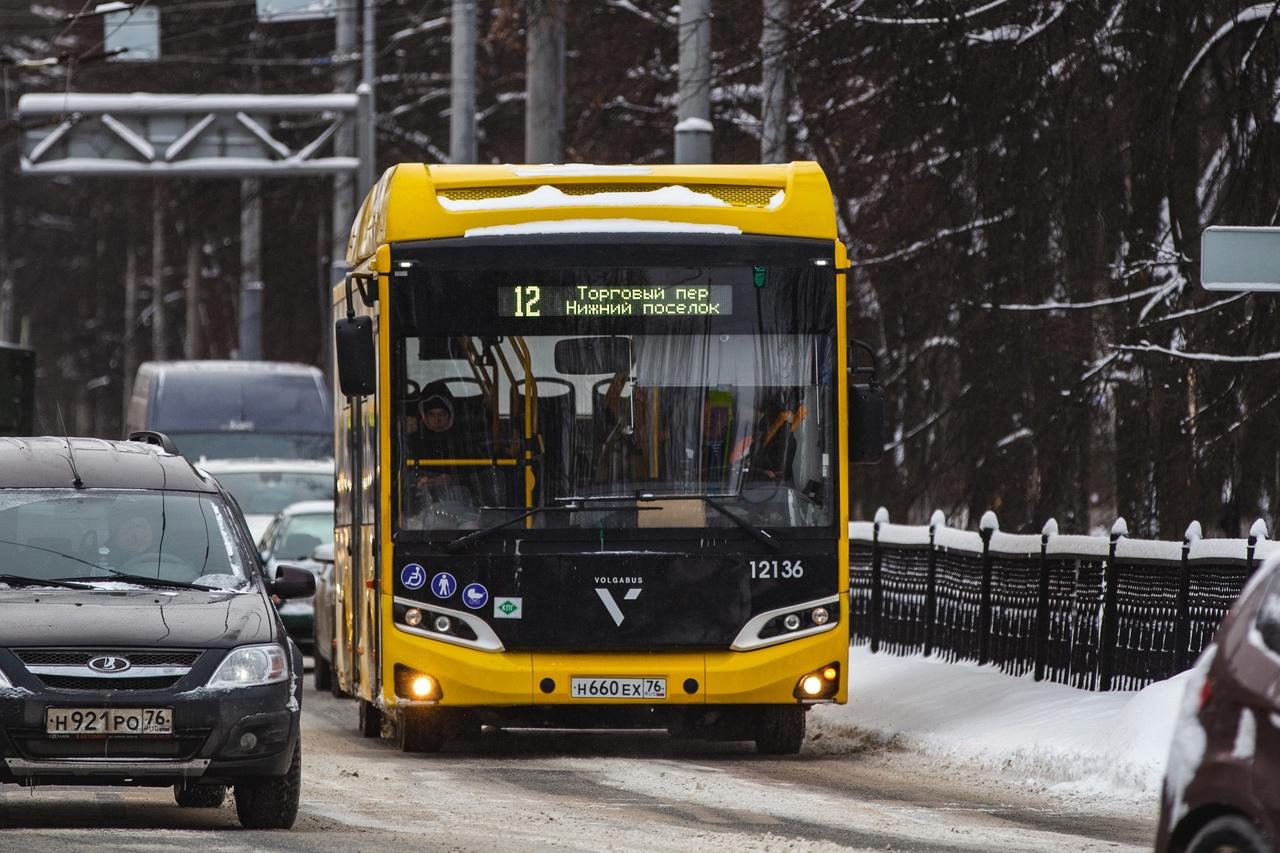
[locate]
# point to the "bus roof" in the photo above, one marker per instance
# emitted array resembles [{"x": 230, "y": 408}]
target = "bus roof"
[{"x": 416, "y": 201}]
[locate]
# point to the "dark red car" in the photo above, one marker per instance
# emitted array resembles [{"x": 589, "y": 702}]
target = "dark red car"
[{"x": 1222, "y": 785}]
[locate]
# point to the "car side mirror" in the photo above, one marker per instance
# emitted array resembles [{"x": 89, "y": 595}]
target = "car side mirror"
[
  {"x": 357, "y": 373},
  {"x": 293, "y": 582},
  {"x": 323, "y": 553}
]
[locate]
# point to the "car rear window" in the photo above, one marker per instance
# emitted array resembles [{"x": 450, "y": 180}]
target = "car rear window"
[
  {"x": 268, "y": 492},
  {"x": 241, "y": 401}
]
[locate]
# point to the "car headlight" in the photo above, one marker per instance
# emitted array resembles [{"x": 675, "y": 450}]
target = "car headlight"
[{"x": 252, "y": 665}]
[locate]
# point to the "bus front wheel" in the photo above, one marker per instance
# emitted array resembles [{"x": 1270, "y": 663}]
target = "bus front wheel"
[
  {"x": 781, "y": 730},
  {"x": 421, "y": 730}
]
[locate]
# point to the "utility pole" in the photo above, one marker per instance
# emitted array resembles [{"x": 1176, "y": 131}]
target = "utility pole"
[
  {"x": 159, "y": 324},
  {"x": 344, "y": 145},
  {"x": 250, "y": 347},
  {"x": 693, "y": 108},
  {"x": 774, "y": 105},
  {"x": 368, "y": 125},
  {"x": 544, "y": 82},
  {"x": 129, "y": 358},
  {"x": 462, "y": 97},
  {"x": 192, "y": 340}
]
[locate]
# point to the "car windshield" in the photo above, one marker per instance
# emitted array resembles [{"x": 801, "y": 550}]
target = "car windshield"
[
  {"x": 619, "y": 398},
  {"x": 301, "y": 535},
  {"x": 268, "y": 492},
  {"x": 253, "y": 445},
  {"x": 98, "y": 534}
]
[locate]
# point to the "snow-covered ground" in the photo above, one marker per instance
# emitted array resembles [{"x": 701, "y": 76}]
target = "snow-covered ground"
[{"x": 1072, "y": 743}]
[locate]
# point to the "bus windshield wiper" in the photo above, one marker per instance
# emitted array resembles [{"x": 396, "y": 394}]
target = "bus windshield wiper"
[
  {"x": 143, "y": 580},
  {"x": 759, "y": 534},
  {"x": 456, "y": 545},
  {"x": 21, "y": 580}
]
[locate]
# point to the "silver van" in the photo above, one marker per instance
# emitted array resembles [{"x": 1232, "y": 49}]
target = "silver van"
[{"x": 235, "y": 409}]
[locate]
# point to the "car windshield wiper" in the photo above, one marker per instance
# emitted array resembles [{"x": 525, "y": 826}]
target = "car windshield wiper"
[
  {"x": 466, "y": 539},
  {"x": 143, "y": 580},
  {"x": 759, "y": 534},
  {"x": 20, "y": 580}
]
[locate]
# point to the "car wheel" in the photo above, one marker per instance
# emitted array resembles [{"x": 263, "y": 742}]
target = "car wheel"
[
  {"x": 322, "y": 674},
  {"x": 199, "y": 796},
  {"x": 370, "y": 719},
  {"x": 421, "y": 730},
  {"x": 271, "y": 803},
  {"x": 781, "y": 730},
  {"x": 1228, "y": 834}
]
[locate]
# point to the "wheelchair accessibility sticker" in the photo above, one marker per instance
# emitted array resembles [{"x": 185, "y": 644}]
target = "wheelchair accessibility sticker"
[{"x": 413, "y": 576}]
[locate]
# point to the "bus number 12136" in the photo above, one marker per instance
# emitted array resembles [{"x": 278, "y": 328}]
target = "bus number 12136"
[{"x": 777, "y": 569}]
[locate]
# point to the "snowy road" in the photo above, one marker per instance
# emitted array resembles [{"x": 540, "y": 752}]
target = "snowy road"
[{"x": 543, "y": 791}]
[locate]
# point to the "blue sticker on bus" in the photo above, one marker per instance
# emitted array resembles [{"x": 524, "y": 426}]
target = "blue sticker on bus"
[
  {"x": 475, "y": 596},
  {"x": 444, "y": 585},
  {"x": 413, "y": 576}
]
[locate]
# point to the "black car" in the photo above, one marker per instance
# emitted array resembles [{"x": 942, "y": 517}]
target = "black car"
[{"x": 139, "y": 644}]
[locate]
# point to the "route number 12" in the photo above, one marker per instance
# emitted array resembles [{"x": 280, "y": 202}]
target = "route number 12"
[{"x": 527, "y": 298}]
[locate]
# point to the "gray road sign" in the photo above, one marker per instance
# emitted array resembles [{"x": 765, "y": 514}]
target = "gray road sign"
[{"x": 1239, "y": 258}]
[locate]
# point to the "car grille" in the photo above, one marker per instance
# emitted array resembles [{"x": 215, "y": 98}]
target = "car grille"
[
  {"x": 68, "y": 669},
  {"x": 72, "y": 682},
  {"x": 81, "y": 657}
]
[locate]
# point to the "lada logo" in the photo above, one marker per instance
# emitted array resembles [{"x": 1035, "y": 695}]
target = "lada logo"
[{"x": 109, "y": 663}]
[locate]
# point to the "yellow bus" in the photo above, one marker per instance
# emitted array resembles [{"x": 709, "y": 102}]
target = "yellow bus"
[{"x": 592, "y": 448}]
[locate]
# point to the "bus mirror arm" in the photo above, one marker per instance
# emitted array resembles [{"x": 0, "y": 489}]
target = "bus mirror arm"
[{"x": 866, "y": 409}]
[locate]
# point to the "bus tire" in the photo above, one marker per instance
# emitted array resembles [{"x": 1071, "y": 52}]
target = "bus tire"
[
  {"x": 370, "y": 719},
  {"x": 421, "y": 730},
  {"x": 781, "y": 730},
  {"x": 1229, "y": 832},
  {"x": 271, "y": 803},
  {"x": 322, "y": 674},
  {"x": 199, "y": 796}
]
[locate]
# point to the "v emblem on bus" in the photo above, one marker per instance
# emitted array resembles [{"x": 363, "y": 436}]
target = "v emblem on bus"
[{"x": 612, "y": 606}]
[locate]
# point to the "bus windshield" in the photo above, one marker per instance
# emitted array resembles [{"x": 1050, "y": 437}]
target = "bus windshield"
[{"x": 655, "y": 397}]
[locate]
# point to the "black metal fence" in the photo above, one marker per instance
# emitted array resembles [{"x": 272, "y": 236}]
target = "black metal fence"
[{"x": 1095, "y": 612}]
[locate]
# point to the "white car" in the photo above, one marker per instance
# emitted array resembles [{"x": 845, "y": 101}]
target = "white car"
[
  {"x": 292, "y": 538},
  {"x": 264, "y": 487}
]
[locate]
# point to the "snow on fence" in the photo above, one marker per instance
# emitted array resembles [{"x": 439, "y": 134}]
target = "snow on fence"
[{"x": 1095, "y": 612}]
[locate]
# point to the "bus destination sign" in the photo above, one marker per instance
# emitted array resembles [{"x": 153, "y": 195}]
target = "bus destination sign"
[{"x": 535, "y": 300}]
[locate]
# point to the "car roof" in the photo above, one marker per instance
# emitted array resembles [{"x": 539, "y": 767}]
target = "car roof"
[
  {"x": 248, "y": 466},
  {"x": 308, "y": 508},
  {"x": 53, "y": 462}
]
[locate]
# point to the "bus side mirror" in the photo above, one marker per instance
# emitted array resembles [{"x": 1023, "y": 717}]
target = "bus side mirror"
[
  {"x": 356, "y": 366},
  {"x": 866, "y": 422}
]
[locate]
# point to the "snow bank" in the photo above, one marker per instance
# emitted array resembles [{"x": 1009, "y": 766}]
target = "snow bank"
[{"x": 1074, "y": 742}]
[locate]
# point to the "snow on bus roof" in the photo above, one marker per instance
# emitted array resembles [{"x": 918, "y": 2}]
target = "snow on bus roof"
[
  {"x": 549, "y": 196},
  {"x": 556, "y": 169},
  {"x": 608, "y": 226}
]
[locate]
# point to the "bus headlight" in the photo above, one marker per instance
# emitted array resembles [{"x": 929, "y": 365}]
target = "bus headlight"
[
  {"x": 820, "y": 615},
  {"x": 811, "y": 686},
  {"x": 413, "y": 617}
]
